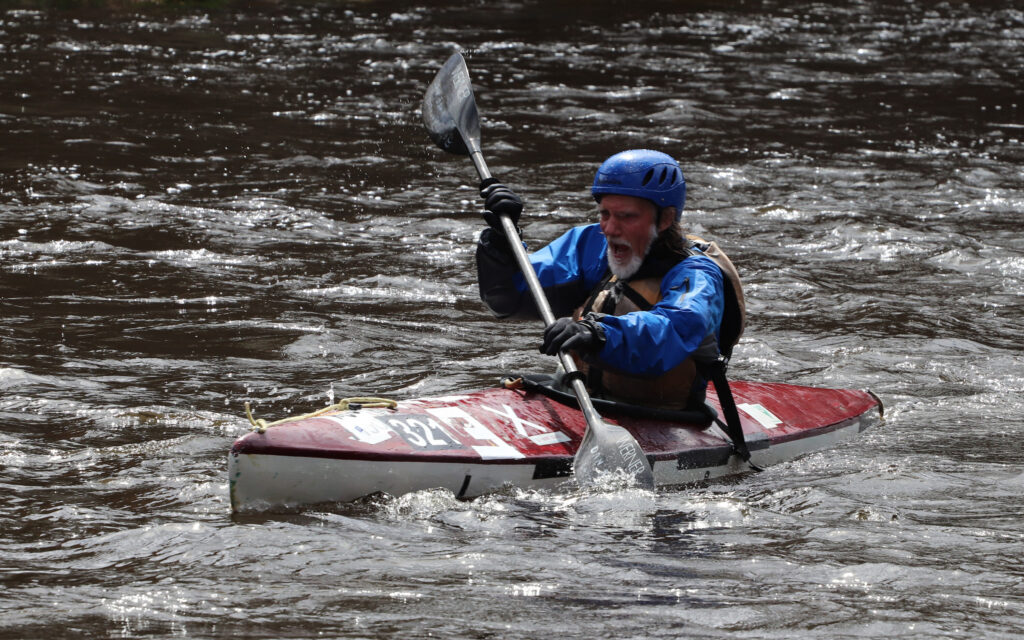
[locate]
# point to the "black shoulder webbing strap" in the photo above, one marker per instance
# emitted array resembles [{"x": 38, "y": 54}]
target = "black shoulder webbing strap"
[
  {"x": 635, "y": 297},
  {"x": 596, "y": 292},
  {"x": 732, "y": 424},
  {"x": 713, "y": 365}
]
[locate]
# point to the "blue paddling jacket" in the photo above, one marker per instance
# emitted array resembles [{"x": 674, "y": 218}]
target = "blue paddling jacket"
[{"x": 650, "y": 343}]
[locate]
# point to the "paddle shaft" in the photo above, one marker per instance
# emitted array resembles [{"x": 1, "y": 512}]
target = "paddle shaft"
[
  {"x": 450, "y": 115},
  {"x": 537, "y": 291}
]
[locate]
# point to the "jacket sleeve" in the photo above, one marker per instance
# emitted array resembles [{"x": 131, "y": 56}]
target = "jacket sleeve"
[
  {"x": 651, "y": 343},
  {"x": 567, "y": 269}
]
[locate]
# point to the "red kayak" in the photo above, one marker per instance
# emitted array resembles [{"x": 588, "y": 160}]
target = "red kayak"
[{"x": 485, "y": 440}]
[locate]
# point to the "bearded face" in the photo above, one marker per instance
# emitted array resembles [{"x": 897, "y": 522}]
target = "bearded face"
[
  {"x": 629, "y": 225},
  {"x": 623, "y": 259}
]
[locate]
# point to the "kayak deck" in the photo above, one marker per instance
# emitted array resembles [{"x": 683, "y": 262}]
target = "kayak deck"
[{"x": 482, "y": 441}]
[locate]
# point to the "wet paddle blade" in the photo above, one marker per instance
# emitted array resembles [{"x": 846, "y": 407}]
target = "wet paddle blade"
[
  {"x": 609, "y": 452},
  {"x": 449, "y": 109}
]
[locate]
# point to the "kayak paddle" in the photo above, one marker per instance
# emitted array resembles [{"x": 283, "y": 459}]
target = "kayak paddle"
[{"x": 451, "y": 119}]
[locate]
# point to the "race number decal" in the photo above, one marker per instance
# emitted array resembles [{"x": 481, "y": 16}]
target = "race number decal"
[
  {"x": 421, "y": 432},
  {"x": 458, "y": 418}
]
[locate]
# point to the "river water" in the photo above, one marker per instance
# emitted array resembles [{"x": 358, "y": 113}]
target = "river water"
[{"x": 201, "y": 207}]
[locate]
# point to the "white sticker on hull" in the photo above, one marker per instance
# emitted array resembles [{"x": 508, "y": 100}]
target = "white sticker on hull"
[
  {"x": 762, "y": 415},
  {"x": 546, "y": 435},
  {"x": 368, "y": 431},
  {"x": 544, "y": 439}
]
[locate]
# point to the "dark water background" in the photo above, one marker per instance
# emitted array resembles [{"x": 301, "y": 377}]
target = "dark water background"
[{"x": 201, "y": 207}]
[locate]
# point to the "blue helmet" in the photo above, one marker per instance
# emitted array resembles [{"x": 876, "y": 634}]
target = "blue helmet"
[{"x": 651, "y": 175}]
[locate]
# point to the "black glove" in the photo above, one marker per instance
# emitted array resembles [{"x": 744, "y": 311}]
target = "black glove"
[
  {"x": 584, "y": 335},
  {"x": 498, "y": 200}
]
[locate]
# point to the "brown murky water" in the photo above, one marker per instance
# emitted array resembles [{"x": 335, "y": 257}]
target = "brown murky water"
[{"x": 202, "y": 207}]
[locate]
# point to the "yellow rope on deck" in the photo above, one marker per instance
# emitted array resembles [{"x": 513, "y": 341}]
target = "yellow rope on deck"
[
  {"x": 260, "y": 425},
  {"x": 512, "y": 383}
]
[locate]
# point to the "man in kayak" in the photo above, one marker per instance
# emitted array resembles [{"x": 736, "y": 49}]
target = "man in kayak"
[{"x": 645, "y": 308}]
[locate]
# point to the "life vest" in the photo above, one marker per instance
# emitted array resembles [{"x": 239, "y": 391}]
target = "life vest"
[
  {"x": 734, "y": 316},
  {"x": 674, "y": 389}
]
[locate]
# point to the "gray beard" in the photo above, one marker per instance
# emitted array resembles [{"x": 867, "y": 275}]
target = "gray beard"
[{"x": 622, "y": 272}]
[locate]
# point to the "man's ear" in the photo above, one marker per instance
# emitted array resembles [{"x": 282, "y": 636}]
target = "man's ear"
[{"x": 667, "y": 218}]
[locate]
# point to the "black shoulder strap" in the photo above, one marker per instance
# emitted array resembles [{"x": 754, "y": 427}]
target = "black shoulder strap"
[
  {"x": 635, "y": 297},
  {"x": 596, "y": 292},
  {"x": 715, "y": 370}
]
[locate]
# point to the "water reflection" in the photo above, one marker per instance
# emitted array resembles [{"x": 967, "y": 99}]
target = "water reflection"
[{"x": 203, "y": 206}]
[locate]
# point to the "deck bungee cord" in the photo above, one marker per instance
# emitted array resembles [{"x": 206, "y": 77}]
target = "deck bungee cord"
[{"x": 259, "y": 425}]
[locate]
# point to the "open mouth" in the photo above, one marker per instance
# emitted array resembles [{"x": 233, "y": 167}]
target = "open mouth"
[{"x": 619, "y": 251}]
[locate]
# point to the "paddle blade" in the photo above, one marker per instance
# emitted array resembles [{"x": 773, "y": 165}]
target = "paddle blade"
[
  {"x": 449, "y": 109},
  {"x": 610, "y": 452}
]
